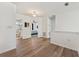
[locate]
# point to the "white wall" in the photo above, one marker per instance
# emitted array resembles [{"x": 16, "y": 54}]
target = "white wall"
[
  {"x": 67, "y": 29},
  {"x": 42, "y": 27},
  {"x": 68, "y": 21},
  {"x": 7, "y": 27},
  {"x": 66, "y": 39}
]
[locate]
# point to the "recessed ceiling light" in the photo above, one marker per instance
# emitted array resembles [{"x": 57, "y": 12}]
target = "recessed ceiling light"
[
  {"x": 66, "y": 4},
  {"x": 34, "y": 13}
]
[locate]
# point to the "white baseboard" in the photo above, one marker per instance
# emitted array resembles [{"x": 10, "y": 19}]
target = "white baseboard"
[
  {"x": 56, "y": 43},
  {"x": 5, "y": 50}
]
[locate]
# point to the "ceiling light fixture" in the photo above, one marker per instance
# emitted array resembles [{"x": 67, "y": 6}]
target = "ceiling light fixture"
[
  {"x": 34, "y": 13},
  {"x": 66, "y": 4}
]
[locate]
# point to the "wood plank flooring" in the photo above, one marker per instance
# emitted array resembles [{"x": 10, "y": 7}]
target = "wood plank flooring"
[
  {"x": 11, "y": 53},
  {"x": 38, "y": 47}
]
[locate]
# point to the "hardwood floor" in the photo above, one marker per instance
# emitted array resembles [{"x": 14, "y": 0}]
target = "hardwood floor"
[
  {"x": 11, "y": 53},
  {"x": 40, "y": 47}
]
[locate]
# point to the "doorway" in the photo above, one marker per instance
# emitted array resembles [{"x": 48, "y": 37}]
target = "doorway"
[
  {"x": 51, "y": 25},
  {"x": 34, "y": 32},
  {"x": 18, "y": 28}
]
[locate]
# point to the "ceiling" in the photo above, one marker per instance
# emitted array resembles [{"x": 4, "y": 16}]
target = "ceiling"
[{"x": 44, "y": 8}]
